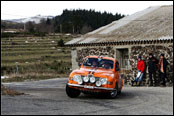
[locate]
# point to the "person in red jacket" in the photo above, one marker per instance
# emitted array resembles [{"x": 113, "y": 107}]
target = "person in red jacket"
[{"x": 141, "y": 68}]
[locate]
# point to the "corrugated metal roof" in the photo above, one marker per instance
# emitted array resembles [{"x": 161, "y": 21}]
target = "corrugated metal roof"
[{"x": 152, "y": 23}]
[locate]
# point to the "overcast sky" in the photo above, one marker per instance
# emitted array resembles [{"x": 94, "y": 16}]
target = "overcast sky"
[{"x": 21, "y": 9}]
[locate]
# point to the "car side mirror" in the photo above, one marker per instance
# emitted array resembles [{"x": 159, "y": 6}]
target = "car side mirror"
[{"x": 117, "y": 68}]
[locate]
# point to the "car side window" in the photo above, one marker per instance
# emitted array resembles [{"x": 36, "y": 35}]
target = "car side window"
[{"x": 117, "y": 66}]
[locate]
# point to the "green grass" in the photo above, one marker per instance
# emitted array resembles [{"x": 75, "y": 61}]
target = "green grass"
[
  {"x": 29, "y": 57},
  {"x": 31, "y": 77},
  {"x": 15, "y": 53},
  {"x": 43, "y": 61},
  {"x": 9, "y": 52},
  {"x": 24, "y": 49}
]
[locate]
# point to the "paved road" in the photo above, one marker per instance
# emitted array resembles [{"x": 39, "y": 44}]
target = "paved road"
[{"x": 49, "y": 97}]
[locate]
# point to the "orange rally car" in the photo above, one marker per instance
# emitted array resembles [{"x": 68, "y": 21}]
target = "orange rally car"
[{"x": 96, "y": 75}]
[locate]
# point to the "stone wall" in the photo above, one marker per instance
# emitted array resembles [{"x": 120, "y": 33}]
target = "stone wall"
[
  {"x": 97, "y": 51},
  {"x": 144, "y": 50}
]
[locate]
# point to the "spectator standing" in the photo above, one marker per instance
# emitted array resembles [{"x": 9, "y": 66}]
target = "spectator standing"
[
  {"x": 152, "y": 68},
  {"x": 162, "y": 68},
  {"x": 141, "y": 68}
]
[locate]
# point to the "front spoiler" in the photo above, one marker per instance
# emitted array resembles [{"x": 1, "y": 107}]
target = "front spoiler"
[{"x": 93, "y": 87}]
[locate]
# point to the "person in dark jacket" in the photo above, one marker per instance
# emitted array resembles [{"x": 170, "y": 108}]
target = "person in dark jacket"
[
  {"x": 162, "y": 68},
  {"x": 152, "y": 68}
]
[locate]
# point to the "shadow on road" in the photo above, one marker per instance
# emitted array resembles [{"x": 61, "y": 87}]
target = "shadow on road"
[{"x": 123, "y": 95}]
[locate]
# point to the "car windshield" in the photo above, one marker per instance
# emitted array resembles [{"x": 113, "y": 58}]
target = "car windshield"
[{"x": 97, "y": 62}]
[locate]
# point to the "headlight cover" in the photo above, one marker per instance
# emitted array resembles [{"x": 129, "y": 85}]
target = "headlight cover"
[
  {"x": 86, "y": 79},
  {"x": 92, "y": 79},
  {"x": 103, "y": 81},
  {"x": 78, "y": 79},
  {"x": 98, "y": 83}
]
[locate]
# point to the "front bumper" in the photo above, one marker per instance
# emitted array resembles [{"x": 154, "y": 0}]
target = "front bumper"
[{"x": 91, "y": 87}]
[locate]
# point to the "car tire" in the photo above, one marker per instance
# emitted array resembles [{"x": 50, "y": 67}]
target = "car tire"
[
  {"x": 113, "y": 94},
  {"x": 71, "y": 92}
]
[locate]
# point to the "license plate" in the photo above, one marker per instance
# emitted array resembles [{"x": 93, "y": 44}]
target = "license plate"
[{"x": 89, "y": 87}]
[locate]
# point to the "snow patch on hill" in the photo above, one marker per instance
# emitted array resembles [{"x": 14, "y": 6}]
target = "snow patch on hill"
[{"x": 35, "y": 19}]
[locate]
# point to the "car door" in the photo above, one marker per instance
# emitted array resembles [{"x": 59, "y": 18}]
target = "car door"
[{"x": 117, "y": 74}]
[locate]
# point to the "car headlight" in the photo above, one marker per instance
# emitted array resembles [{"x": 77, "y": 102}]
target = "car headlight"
[
  {"x": 98, "y": 83},
  {"x": 92, "y": 79},
  {"x": 78, "y": 79},
  {"x": 86, "y": 79},
  {"x": 103, "y": 81}
]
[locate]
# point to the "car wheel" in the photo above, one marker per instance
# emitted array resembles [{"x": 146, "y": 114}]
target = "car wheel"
[
  {"x": 71, "y": 92},
  {"x": 113, "y": 94}
]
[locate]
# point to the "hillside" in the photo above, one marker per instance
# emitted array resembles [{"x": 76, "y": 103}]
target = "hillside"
[
  {"x": 35, "y": 57},
  {"x": 70, "y": 21},
  {"x": 35, "y": 19}
]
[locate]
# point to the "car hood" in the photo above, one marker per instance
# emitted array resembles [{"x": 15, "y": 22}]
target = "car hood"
[{"x": 97, "y": 72}]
